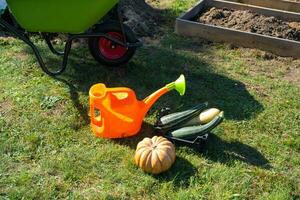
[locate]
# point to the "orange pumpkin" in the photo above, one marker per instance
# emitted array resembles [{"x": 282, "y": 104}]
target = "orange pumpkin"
[{"x": 155, "y": 155}]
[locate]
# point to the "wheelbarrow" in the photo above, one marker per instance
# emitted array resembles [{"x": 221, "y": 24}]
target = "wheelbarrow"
[{"x": 110, "y": 41}]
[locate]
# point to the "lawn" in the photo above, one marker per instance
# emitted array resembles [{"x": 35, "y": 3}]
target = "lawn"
[{"x": 49, "y": 152}]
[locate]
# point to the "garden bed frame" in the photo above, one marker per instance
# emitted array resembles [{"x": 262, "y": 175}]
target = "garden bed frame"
[
  {"x": 275, "y": 4},
  {"x": 282, "y": 47}
]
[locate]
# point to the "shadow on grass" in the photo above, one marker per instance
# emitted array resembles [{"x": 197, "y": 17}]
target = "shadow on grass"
[
  {"x": 151, "y": 69},
  {"x": 214, "y": 149},
  {"x": 218, "y": 150},
  {"x": 179, "y": 173},
  {"x": 82, "y": 109},
  {"x": 131, "y": 142}
]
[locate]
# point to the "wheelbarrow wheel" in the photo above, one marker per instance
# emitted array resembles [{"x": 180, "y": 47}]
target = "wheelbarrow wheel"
[{"x": 107, "y": 52}]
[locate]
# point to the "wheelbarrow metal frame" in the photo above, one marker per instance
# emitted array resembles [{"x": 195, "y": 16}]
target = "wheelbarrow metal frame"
[{"x": 22, "y": 35}]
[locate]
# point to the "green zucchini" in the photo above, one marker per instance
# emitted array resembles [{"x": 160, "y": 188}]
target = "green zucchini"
[
  {"x": 174, "y": 119},
  {"x": 194, "y": 131}
]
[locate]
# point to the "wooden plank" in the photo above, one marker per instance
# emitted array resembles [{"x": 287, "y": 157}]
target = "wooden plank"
[
  {"x": 194, "y": 11},
  {"x": 275, "y": 4},
  {"x": 280, "y": 14},
  {"x": 282, "y": 47}
]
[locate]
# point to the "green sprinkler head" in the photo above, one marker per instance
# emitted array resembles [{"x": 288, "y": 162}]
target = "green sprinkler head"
[{"x": 179, "y": 85}]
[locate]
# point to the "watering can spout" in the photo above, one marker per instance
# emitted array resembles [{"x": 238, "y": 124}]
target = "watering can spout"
[{"x": 179, "y": 85}]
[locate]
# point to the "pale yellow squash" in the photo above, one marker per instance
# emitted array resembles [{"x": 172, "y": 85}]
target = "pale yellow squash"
[
  {"x": 208, "y": 115},
  {"x": 204, "y": 117}
]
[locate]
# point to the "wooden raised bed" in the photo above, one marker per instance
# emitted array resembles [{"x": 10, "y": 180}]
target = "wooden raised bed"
[
  {"x": 283, "y": 47},
  {"x": 292, "y": 6}
]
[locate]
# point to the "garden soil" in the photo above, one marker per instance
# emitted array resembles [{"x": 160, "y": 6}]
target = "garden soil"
[
  {"x": 141, "y": 17},
  {"x": 246, "y": 20}
]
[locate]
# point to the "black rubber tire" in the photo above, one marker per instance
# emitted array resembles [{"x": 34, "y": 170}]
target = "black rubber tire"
[{"x": 112, "y": 27}]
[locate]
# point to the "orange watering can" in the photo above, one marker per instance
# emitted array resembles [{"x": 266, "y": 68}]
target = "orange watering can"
[{"x": 116, "y": 112}]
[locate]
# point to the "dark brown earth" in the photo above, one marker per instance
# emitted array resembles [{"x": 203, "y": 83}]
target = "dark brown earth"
[
  {"x": 246, "y": 20},
  {"x": 293, "y": 76},
  {"x": 141, "y": 17},
  {"x": 5, "y": 107}
]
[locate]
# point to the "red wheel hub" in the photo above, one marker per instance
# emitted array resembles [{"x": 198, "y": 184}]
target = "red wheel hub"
[{"x": 111, "y": 50}]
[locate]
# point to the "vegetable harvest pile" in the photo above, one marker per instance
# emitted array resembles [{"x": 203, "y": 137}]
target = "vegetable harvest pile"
[
  {"x": 157, "y": 155},
  {"x": 191, "y": 123}
]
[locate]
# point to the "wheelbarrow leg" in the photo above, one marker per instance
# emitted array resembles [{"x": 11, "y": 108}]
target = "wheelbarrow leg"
[
  {"x": 46, "y": 37},
  {"x": 25, "y": 39}
]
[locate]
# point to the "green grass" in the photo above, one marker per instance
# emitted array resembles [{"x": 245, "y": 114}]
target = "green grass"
[{"x": 48, "y": 150}]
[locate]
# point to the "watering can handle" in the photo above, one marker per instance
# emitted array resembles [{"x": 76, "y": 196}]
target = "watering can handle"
[{"x": 131, "y": 93}]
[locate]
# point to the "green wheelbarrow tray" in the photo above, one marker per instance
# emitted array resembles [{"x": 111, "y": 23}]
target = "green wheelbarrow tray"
[{"x": 59, "y": 16}]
